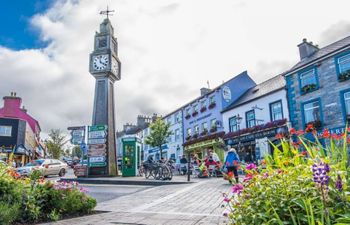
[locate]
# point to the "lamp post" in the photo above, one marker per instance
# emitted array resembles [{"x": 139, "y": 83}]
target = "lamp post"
[{"x": 238, "y": 121}]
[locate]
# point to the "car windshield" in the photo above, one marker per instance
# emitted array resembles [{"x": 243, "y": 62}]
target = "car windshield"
[{"x": 37, "y": 162}]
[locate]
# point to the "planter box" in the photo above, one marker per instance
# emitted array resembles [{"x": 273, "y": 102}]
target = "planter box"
[
  {"x": 344, "y": 76},
  {"x": 194, "y": 114},
  {"x": 203, "y": 109},
  {"x": 187, "y": 117},
  {"x": 308, "y": 88},
  {"x": 212, "y": 105}
]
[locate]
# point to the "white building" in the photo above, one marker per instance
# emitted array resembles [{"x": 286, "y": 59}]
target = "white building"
[{"x": 257, "y": 116}]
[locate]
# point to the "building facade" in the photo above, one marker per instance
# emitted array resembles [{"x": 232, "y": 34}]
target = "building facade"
[
  {"x": 202, "y": 119},
  {"x": 255, "y": 119},
  {"x": 173, "y": 149},
  {"x": 19, "y": 133},
  {"x": 319, "y": 86}
]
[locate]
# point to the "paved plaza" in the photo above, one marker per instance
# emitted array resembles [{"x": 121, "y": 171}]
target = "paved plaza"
[{"x": 195, "y": 203}]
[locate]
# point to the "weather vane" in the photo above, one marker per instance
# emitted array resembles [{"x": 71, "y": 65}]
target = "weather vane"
[{"x": 107, "y": 12}]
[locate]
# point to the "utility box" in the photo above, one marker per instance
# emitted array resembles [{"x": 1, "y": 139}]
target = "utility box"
[{"x": 131, "y": 156}]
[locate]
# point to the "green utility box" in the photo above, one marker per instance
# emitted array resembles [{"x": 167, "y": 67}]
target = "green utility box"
[{"x": 131, "y": 156}]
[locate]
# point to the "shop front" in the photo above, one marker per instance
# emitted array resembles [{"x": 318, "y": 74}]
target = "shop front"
[
  {"x": 253, "y": 146},
  {"x": 202, "y": 145}
]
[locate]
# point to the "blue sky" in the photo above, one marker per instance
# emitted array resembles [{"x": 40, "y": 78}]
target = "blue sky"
[{"x": 16, "y": 31}]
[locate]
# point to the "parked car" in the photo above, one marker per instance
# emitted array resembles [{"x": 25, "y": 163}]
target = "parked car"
[{"x": 46, "y": 166}]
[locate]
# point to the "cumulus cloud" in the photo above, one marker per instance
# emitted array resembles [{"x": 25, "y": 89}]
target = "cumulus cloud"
[{"x": 169, "y": 49}]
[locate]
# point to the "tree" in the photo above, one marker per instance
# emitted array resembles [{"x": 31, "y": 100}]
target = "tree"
[
  {"x": 77, "y": 152},
  {"x": 159, "y": 134},
  {"x": 55, "y": 143}
]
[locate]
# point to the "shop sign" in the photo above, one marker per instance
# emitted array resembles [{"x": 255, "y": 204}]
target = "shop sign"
[
  {"x": 226, "y": 93},
  {"x": 98, "y": 164},
  {"x": 336, "y": 130},
  {"x": 97, "y": 128},
  {"x": 202, "y": 144},
  {"x": 252, "y": 137},
  {"x": 5, "y": 150}
]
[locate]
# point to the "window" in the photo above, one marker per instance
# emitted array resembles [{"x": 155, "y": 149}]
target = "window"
[
  {"x": 347, "y": 103},
  {"x": 212, "y": 99},
  {"x": 177, "y": 135},
  {"x": 5, "y": 131},
  {"x": 203, "y": 104},
  {"x": 250, "y": 118},
  {"x": 276, "y": 110},
  {"x": 344, "y": 63},
  {"x": 213, "y": 123},
  {"x": 204, "y": 126},
  {"x": 189, "y": 132},
  {"x": 312, "y": 112},
  {"x": 169, "y": 120},
  {"x": 233, "y": 124},
  {"x": 308, "y": 81},
  {"x": 196, "y": 129},
  {"x": 195, "y": 108},
  {"x": 177, "y": 118},
  {"x": 188, "y": 111}
]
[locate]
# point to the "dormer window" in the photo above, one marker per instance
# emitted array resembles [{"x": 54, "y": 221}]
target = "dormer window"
[{"x": 308, "y": 81}]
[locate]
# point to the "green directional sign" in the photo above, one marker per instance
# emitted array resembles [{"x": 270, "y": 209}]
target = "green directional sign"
[
  {"x": 97, "y": 164},
  {"x": 97, "y": 127}
]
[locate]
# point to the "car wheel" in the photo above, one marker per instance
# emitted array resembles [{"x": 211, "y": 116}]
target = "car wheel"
[{"x": 62, "y": 173}]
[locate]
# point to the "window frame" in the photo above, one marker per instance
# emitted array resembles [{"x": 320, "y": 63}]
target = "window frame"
[
  {"x": 212, "y": 99},
  {"x": 211, "y": 123},
  {"x": 304, "y": 71},
  {"x": 337, "y": 66},
  {"x": 308, "y": 102},
  {"x": 270, "y": 106},
  {"x": 230, "y": 125},
  {"x": 246, "y": 118},
  {"x": 196, "y": 129},
  {"x": 7, "y": 127},
  {"x": 189, "y": 132},
  {"x": 177, "y": 134},
  {"x": 342, "y": 97}
]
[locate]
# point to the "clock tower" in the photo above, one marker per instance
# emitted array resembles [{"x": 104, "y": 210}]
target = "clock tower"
[{"x": 105, "y": 67}]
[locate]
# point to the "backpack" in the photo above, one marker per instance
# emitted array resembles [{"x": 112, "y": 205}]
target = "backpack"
[{"x": 232, "y": 159}]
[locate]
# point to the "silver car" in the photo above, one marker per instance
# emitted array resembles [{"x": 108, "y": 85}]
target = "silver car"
[{"x": 46, "y": 166}]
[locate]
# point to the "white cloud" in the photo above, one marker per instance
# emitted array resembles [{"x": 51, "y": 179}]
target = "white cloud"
[{"x": 168, "y": 49}]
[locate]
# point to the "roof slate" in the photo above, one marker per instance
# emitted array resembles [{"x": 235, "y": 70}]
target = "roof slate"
[
  {"x": 327, "y": 50},
  {"x": 271, "y": 85}
]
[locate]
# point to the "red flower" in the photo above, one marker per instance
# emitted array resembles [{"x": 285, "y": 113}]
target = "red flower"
[
  {"x": 309, "y": 127},
  {"x": 336, "y": 137},
  {"x": 300, "y": 132},
  {"x": 279, "y": 136},
  {"x": 326, "y": 133},
  {"x": 230, "y": 174},
  {"x": 348, "y": 129},
  {"x": 292, "y": 131},
  {"x": 304, "y": 153},
  {"x": 295, "y": 144}
]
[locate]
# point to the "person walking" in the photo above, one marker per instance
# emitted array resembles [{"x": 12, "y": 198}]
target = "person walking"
[{"x": 232, "y": 162}]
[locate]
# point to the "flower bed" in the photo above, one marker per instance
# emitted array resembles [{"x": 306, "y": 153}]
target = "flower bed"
[
  {"x": 32, "y": 200},
  {"x": 304, "y": 183}
]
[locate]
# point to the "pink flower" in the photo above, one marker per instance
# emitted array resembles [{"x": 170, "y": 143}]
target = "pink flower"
[
  {"x": 251, "y": 166},
  {"x": 237, "y": 189},
  {"x": 265, "y": 175},
  {"x": 226, "y": 199},
  {"x": 248, "y": 177}
]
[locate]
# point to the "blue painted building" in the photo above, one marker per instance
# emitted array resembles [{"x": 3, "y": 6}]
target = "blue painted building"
[
  {"x": 318, "y": 86},
  {"x": 202, "y": 118}
]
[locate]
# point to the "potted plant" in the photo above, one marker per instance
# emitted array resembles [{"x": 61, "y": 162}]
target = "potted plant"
[
  {"x": 212, "y": 105},
  {"x": 213, "y": 129},
  {"x": 308, "y": 88},
  {"x": 344, "y": 76}
]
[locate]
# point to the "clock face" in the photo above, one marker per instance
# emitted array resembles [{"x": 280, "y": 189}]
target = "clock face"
[
  {"x": 115, "y": 66},
  {"x": 100, "y": 62}
]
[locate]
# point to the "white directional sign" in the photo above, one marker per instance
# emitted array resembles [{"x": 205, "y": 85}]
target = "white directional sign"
[
  {"x": 97, "y": 153},
  {"x": 97, "y": 134},
  {"x": 96, "y": 141},
  {"x": 97, "y": 159},
  {"x": 97, "y": 146}
]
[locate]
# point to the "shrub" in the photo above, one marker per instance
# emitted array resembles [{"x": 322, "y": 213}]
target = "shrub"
[
  {"x": 9, "y": 212},
  {"x": 303, "y": 182}
]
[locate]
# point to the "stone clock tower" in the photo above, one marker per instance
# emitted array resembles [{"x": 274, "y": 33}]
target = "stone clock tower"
[{"x": 105, "y": 67}]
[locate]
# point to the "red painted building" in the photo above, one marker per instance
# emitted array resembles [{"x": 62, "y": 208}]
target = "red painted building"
[{"x": 19, "y": 132}]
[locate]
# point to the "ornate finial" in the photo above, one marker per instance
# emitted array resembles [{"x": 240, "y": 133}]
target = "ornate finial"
[{"x": 107, "y": 12}]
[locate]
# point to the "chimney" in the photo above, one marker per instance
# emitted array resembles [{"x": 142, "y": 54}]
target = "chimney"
[
  {"x": 306, "y": 49},
  {"x": 12, "y": 102},
  {"x": 204, "y": 91}
]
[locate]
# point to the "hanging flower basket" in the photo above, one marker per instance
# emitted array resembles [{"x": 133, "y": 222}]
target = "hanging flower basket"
[
  {"x": 194, "y": 113},
  {"x": 212, "y": 105},
  {"x": 203, "y": 109},
  {"x": 187, "y": 116}
]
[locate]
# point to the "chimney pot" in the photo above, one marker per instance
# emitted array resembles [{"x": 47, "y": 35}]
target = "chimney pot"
[{"x": 307, "y": 49}]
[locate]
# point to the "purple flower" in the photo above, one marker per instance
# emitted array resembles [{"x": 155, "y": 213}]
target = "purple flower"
[
  {"x": 248, "y": 177},
  {"x": 237, "y": 189},
  {"x": 320, "y": 173},
  {"x": 251, "y": 166},
  {"x": 339, "y": 183},
  {"x": 226, "y": 199}
]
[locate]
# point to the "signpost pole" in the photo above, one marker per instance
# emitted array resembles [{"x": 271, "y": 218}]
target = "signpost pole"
[{"x": 188, "y": 166}]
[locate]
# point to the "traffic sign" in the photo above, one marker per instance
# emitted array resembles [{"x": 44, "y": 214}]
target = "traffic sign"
[
  {"x": 76, "y": 128},
  {"x": 96, "y": 141},
  {"x": 97, "y": 153},
  {"x": 97, "y": 146},
  {"x": 97, "y": 159},
  {"x": 97, "y": 134},
  {"x": 98, "y": 164},
  {"x": 97, "y": 127}
]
